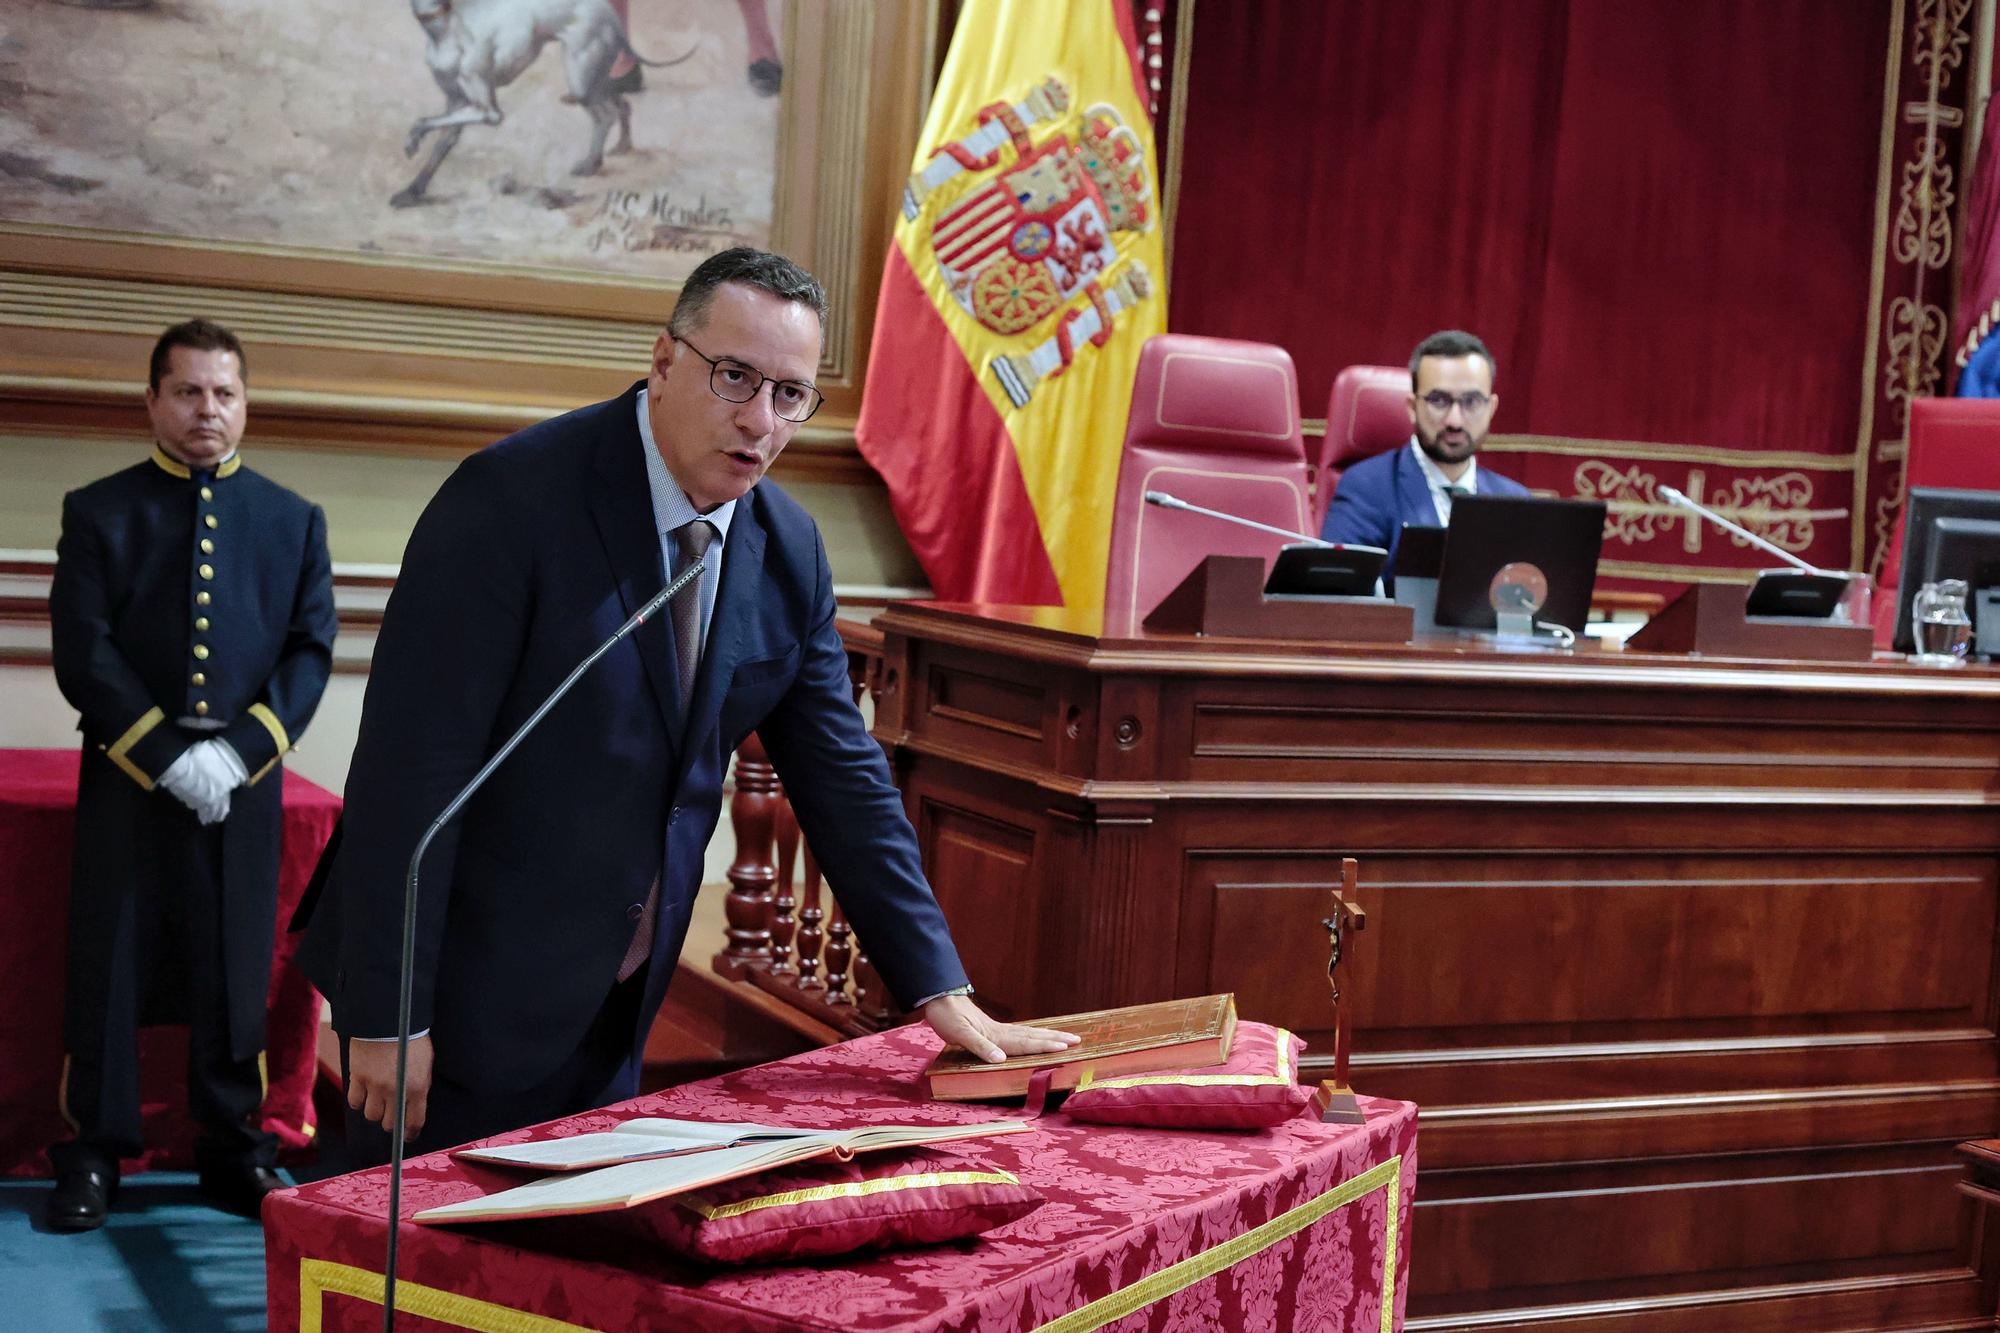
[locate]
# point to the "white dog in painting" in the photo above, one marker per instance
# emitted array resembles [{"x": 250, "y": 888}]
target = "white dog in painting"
[{"x": 477, "y": 47}]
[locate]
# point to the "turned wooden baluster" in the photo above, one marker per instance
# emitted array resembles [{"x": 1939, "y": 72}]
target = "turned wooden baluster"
[
  {"x": 752, "y": 814},
  {"x": 839, "y": 942},
  {"x": 812, "y": 936},
  {"x": 783, "y": 922}
]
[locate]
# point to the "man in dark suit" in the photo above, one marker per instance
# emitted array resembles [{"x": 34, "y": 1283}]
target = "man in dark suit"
[
  {"x": 192, "y": 618},
  {"x": 1451, "y": 408},
  {"x": 552, "y": 910}
]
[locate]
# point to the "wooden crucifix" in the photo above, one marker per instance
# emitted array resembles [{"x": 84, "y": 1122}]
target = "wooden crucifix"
[{"x": 1334, "y": 1101}]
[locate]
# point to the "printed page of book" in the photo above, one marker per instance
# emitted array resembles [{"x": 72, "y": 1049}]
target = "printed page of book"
[
  {"x": 633, "y": 1140},
  {"x": 631, "y": 1183},
  {"x": 622, "y": 1186}
]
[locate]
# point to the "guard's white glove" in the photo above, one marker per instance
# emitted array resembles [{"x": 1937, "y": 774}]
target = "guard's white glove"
[
  {"x": 219, "y": 757},
  {"x": 202, "y": 778}
]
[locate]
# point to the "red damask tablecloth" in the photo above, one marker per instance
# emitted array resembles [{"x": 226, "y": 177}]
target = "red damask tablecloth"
[
  {"x": 1299, "y": 1227},
  {"x": 37, "y": 827}
]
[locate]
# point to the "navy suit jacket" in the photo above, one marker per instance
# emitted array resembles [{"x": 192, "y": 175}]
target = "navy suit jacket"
[
  {"x": 1378, "y": 495},
  {"x": 530, "y": 555}
]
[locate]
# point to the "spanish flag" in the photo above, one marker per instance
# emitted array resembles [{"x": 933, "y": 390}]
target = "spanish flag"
[{"x": 1026, "y": 273}]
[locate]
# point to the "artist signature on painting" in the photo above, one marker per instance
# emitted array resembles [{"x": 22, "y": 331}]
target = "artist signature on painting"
[{"x": 640, "y": 220}]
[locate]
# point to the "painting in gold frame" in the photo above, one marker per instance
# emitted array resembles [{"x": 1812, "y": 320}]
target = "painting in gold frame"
[{"x": 840, "y": 130}]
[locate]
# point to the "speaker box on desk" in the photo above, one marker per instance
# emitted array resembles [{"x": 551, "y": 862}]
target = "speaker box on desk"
[
  {"x": 1224, "y": 596},
  {"x": 1709, "y": 618}
]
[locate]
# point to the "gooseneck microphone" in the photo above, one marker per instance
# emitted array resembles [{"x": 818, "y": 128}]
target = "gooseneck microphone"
[
  {"x": 639, "y": 617},
  {"x": 1165, "y": 501},
  {"x": 1672, "y": 496}
]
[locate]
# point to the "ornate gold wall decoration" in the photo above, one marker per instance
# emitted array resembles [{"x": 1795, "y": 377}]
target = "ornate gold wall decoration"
[{"x": 1914, "y": 365}]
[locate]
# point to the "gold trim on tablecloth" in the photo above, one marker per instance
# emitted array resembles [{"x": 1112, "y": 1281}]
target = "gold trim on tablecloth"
[
  {"x": 319, "y": 1276},
  {"x": 696, "y": 1203},
  {"x": 1197, "y": 1267}
]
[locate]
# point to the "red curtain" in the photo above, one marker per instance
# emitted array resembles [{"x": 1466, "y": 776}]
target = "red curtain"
[{"x": 1661, "y": 215}]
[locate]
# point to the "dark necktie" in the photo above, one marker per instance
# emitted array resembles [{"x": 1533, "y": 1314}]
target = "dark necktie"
[
  {"x": 1454, "y": 490},
  {"x": 691, "y": 540}
]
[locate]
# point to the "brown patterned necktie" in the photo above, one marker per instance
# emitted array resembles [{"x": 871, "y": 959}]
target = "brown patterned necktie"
[{"x": 691, "y": 540}]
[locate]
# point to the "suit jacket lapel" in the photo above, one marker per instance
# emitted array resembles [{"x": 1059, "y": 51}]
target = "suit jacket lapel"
[
  {"x": 1413, "y": 493},
  {"x": 735, "y": 604},
  {"x": 621, "y": 507}
]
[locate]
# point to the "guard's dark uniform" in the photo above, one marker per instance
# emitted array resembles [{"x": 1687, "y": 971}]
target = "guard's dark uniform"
[{"x": 185, "y": 605}]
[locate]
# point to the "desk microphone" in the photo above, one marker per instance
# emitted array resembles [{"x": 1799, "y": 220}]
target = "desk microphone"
[
  {"x": 1673, "y": 496},
  {"x": 1165, "y": 501},
  {"x": 639, "y": 617}
]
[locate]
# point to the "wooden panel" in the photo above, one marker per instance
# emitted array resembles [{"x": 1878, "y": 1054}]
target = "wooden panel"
[
  {"x": 980, "y": 865},
  {"x": 983, "y": 701},
  {"x": 1759, "y": 1222}
]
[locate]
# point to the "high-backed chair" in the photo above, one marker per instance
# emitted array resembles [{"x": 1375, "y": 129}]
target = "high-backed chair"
[
  {"x": 1368, "y": 414},
  {"x": 1952, "y": 442},
  {"x": 1214, "y": 422}
]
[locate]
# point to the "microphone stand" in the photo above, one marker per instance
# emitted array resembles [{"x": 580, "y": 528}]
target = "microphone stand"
[
  {"x": 639, "y": 617},
  {"x": 1165, "y": 501},
  {"x": 1672, "y": 496}
]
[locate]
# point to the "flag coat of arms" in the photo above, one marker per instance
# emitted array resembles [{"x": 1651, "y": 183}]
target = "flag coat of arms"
[{"x": 1027, "y": 270}]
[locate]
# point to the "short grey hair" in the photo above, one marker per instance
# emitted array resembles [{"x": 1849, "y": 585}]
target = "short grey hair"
[{"x": 753, "y": 268}]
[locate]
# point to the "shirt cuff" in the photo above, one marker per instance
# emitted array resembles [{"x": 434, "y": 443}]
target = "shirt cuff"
[{"x": 955, "y": 990}]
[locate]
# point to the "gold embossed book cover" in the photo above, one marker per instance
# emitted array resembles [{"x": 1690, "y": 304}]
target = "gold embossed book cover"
[{"x": 1171, "y": 1034}]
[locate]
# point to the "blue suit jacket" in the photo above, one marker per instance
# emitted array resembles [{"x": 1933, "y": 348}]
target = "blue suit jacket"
[
  {"x": 530, "y": 555},
  {"x": 1378, "y": 495}
]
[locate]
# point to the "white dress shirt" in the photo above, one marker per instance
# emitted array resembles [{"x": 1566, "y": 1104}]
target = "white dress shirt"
[{"x": 1439, "y": 483}]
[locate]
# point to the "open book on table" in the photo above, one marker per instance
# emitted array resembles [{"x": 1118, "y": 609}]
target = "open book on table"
[{"x": 670, "y": 1157}]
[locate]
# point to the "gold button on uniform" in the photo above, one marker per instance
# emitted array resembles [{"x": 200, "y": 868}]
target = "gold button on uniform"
[
  {"x": 201, "y": 652},
  {"x": 207, "y": 546},
  {"x": 198, "y": 678},
  {"x": 201, "y": 709},
  {"x": 207, "y": 571},
  {"x": 201, "y": 599},
  {"x": 207, "y": 494},
  {"x": 209, "y": 520},
  {"x": 201, "y": 622}
]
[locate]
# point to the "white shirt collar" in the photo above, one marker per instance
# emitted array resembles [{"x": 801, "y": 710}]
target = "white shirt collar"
[
  {"x": 671, "y": 506},
  {"x": 1435, "y": 478}
]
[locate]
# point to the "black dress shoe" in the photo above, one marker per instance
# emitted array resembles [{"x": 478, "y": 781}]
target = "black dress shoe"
[
  {"x": 81, "y": 1199},
  {"x": 239, "y": 1189}
]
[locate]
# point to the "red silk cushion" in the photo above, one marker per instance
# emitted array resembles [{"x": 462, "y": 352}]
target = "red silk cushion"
[
  {"x": 877, "y": 1202},
  {"x": 1255, "y": 1087}
]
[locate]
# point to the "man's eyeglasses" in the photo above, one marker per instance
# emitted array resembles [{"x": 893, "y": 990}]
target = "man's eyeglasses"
[
  {"x": 1471, "y": 401},
  {"x": 735, "y": 382}
]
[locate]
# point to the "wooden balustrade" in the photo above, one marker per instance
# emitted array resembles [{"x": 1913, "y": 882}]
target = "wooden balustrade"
[{"x": 786, "y": 934}]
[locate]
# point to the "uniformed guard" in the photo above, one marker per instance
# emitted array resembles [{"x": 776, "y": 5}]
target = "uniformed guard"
[{"x": 193, "y": 622}]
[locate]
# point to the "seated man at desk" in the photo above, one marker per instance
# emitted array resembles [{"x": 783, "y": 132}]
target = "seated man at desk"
[{"x": 1451, "y": 409}]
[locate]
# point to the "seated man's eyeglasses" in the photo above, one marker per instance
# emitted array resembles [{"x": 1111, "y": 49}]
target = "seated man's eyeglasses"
[
  {"x": 1471, "y": 401},
  {"x": 735, "y": 382}
]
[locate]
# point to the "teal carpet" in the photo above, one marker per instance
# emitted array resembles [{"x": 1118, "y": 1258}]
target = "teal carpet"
[{"x": 164, "y": 1261}]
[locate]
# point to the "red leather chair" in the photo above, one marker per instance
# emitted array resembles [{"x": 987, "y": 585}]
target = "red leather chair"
[
  {"x": 1214, "y": 422},
  {"x": 1368, "y": 414},
  {"x": 1952, "y": 442}
]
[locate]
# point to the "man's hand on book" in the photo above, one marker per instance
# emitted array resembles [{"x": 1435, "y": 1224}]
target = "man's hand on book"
[
  {"x": 371, "y": 1082},
  {"x": 962, "y": 1023}
]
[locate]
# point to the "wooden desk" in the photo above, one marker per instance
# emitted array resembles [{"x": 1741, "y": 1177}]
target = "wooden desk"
[{"x": 1689, "y": 963}]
